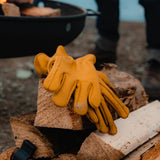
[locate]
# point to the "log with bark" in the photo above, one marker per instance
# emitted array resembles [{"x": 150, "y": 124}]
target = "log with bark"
[
  {"x": 128, "y": 88},
  {"x": 9, "y": 9},
  {"x": 139, "y": 127}
]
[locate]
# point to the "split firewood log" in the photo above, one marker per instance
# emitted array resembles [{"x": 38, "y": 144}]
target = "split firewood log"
[
  {"x": 128, "y": 88},
  {"x": 23, "y": 129},
  {"x": 41, "y": 12},
  {"x": 152, "y": 153},
  {"x": 10, "y": 9},
  {"x": 148, "y": 151},
  {"x": 139, "y": 127},
  {"x": 52, "y": 116}
]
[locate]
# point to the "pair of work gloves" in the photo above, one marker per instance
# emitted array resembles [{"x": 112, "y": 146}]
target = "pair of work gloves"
[{"x": 91, "y": 90}]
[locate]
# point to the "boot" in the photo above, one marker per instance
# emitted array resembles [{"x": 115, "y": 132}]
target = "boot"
[
  {"x": 105, "y": 51},
  {"x": 151, "y": 80}
]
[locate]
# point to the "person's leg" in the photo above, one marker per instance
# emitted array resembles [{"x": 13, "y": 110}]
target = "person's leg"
[
  {"x": 151, "y": 81},
  {"x": 107, "y": 26}
]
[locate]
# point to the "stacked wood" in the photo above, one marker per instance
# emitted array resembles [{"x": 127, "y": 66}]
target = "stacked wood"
[
  {"x": 128, "y": 88},
  {"x": 57, "y": 130},
  {"x": 41, "y": 12},
  {"x": 139, "y": 127},
  {"x": 10, "y": 9}
]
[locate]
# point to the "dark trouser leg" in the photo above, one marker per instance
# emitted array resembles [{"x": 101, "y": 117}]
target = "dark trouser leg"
[
  {"x": 108, "y": 22},
  {"x": 108, "y": 35},
  {"x": 151, "y": 80},
  {"x": 152, "y": 15}
]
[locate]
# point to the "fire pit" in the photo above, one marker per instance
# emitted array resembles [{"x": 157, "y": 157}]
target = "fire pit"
[{"x": 24, "y": 36}]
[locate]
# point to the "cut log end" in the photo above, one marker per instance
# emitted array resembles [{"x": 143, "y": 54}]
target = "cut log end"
[
  {"x": 51, "y": 116},
  {"x": 23, "y": 129}
]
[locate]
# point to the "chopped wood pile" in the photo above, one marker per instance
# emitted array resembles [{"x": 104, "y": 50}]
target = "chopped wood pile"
[
  {"x": 60, "y": 134},
  {"x": 27, "y": 8}
]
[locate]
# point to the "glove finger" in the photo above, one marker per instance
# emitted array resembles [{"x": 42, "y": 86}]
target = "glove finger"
[
  {"x": 89, "y": 57},
  {"x": 80, "y": 98},
  {"x": 40, "y": 63},
  {"x": 104, "y": 78},
  {"x": 92, "y": 115},
  {"x": 101, "y": 126},
  {"x": 108, "y": 117},
  {"x": 115, "y": 102},
  {"x": 60, "y": 51},
  {"x": 54, "y": 78},
  {"x": 62, "y": 97},
  {"x": 95, "y": 95}
]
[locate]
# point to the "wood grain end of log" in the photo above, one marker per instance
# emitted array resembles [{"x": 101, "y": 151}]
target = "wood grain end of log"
[
  {"x": 7, "y": 154},
  {"x": 51, "y": 116},
  {"x": 93, "y": 148},
  {"x": 23, "y": 129}
]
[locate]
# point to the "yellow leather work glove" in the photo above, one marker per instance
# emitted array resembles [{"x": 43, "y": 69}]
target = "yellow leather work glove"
[
  {"x": 67, "y": 76},
  {"x": 91, "y": 88}
]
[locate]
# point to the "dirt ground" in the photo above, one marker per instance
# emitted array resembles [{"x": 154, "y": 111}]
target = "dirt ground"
[{"x": 19, "y": 81}]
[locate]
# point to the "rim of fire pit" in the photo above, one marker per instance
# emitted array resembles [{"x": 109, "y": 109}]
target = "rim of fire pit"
[{"x": 82, "y": 12}]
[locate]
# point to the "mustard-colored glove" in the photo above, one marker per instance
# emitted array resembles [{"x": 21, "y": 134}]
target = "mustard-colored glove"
[
  {"x": 67, "y": 76},
  {"x": 107, "y": 91},
  {"x": 101, "y": 116}
]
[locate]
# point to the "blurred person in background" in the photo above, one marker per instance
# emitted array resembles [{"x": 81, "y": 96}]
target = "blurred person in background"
[{"x": 108, "y": 36}]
